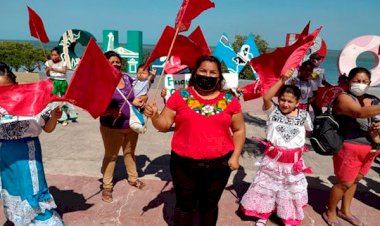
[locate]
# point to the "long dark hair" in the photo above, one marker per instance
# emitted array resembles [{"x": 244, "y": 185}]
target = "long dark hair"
[
  {"x": 211, "y": 59},
  {"x": 5, "y": 70}
]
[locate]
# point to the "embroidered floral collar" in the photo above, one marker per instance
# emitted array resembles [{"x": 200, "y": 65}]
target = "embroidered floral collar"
[{"x": 206, "y": 109}]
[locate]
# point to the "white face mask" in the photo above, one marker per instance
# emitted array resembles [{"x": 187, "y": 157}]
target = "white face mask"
[{"x": 359, "y": 89}]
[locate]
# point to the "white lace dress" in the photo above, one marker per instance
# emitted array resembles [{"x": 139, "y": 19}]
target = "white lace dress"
[
  {"x": 24, "y": 191},
  {"x": 277, "y": 187}
]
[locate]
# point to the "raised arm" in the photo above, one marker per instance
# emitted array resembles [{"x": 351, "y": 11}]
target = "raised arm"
[
  {"x": 267, "y": 98},
  {"x": 346, "y": 105}
]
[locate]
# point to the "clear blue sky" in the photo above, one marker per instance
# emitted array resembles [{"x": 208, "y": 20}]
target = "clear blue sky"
[{"x": 342, "y": 20}]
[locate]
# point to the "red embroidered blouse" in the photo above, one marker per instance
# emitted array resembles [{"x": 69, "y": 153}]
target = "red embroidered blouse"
[{"x": 202, "y": 127}]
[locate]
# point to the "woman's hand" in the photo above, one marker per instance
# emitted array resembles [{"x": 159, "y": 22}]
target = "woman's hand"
[
  {"x": 288, "y": 74},
  {"x": 139, "y": 101},
  {"x": 163, "y": 92},
  {"x": 150, "y": 110},
  {"x": 50, "y": 124},
  {"x": 56, "y": 113},
  {"x": 375, "y": 126},
  {"x": 233, "y": 163}
]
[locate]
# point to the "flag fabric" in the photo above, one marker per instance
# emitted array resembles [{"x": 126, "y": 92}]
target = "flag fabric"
[
  {"x": 326, "y": 95},
  {"x": 252, "y": 90},
  {"x": 36, "y": 26},
  {"x": 226, "y": 54},
  {"x": 198, "y": 37},
  {"x": 189, "y": 10},
  {"x": 305, "y": 30},
  {"x": 291, "y": 38},
  {"x": 26, "y": 99},
  {"x": 271, "y": 66},
  {"x": 184, "y": 48},
  {"x": 94, "y": 81}
]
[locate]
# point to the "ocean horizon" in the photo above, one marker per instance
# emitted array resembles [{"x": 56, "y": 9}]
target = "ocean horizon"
[{"x": 330, "y": 63}]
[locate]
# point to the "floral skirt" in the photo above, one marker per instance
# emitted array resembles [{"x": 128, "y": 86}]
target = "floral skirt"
[
  {"x": 24, "y": 192},
  {"x": 276, "y": 188}
]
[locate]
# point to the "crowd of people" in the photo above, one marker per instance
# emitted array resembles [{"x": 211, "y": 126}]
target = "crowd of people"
[{"x": 209, "y": 135}]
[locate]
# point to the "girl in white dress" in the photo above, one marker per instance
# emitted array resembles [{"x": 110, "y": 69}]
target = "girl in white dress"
[{"x": 280, "y": 185}]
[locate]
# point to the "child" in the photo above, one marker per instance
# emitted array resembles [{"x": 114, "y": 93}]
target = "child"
[
  {"x": 144, "y": 80},
  {"x": 280, "y": 185},
  {"x": 56, "y": 71},
  {"x": 304, "y": 83},
  {"x": 24, "y": 192}
]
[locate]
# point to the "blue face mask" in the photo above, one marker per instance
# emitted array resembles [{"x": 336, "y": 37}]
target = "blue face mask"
[{"x": 206, "y": 83}]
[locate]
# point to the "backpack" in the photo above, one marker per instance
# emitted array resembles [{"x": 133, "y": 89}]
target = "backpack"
[{"x": 325, "y": 138}]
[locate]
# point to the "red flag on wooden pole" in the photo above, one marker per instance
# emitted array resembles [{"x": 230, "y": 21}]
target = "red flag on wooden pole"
[
  {"x": 189, "y": 10},
  {"x": 184, "y": 47},
  {"x": 94, "y": 81},
  {"x": 36, "y": 26}
]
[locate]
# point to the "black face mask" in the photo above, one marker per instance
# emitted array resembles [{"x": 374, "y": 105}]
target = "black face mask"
[{"x": 206, "y": 83}]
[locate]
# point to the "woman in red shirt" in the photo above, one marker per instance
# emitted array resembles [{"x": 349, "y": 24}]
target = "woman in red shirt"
[{"x": 208, "y": 138}]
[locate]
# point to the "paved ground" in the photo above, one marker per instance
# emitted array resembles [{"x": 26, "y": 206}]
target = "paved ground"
[{"x": 73, "y": 155}]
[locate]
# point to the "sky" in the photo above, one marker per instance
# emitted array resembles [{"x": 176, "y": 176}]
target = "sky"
[{"x": 342, "y": 20}]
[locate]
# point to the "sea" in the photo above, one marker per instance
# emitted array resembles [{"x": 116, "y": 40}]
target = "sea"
[{"x": 329, "y": 64}]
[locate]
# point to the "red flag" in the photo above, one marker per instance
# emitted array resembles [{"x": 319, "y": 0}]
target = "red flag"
[
  {"x": 36, "y": 26},
  {"x": 184, "y": 48},
  {"x": 305, "y": 30},
  {"x": 303, "y": 34},
  {"x": 26, "y": 99},
  {"x": 189, "y": 10},
  {"x": 94, "y": 81},
  {"x": 270, "y": 66},
  {"x": 252, "y": 90},
  {"x": 198, "y": 37}
]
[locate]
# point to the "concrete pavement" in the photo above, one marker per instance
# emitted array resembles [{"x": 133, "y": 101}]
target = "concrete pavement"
[{"x": 73, "y": 155}]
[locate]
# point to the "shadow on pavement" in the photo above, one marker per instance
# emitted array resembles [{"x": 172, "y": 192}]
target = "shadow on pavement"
[
  {"x": 166, "y": 198},
  {"x": 69, "y": 201},
  {"x": 249, "y": 119},
  {"x": 253, "y": 147},
  {"x": 363, "y": 192},
  {"x": 159, "y": 167},
  {"x": 318, "y": 197}
]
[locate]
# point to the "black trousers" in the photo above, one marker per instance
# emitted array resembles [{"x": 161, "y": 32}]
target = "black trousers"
[{"x": 198, "y": 185}]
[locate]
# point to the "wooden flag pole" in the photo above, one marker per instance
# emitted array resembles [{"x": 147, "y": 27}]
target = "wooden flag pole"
[{"x": 166, "y": 60}]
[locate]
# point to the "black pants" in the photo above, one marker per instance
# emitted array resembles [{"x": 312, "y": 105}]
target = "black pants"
[{"x": 198, "y": 185}]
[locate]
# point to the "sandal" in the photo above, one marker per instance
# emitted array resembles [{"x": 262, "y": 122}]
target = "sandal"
[
  {"x": 354, "y": 220},
  {"x": 261, "y": 222},
  {"x": 330, "y": 222},
  {"x": 107, "y": 195},
  {"x": 138, "y": 184}
]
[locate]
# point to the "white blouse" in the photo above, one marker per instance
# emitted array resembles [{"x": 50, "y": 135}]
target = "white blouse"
[
  {"x": 18, "y": 127},
  {"x": 287, "y": 131}
]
